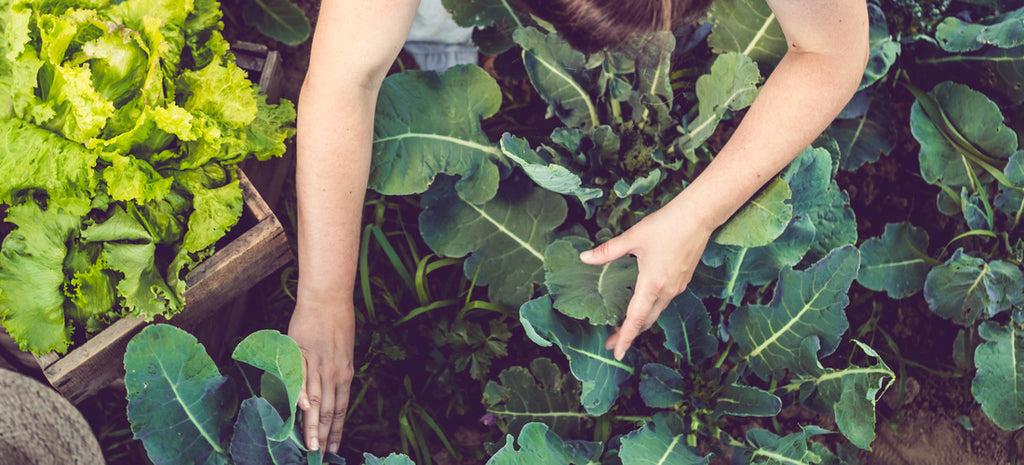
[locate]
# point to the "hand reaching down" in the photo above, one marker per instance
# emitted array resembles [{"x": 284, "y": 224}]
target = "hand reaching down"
[
  {"x": 327, "y": 367},
  {"x": 667, "y": 248}
]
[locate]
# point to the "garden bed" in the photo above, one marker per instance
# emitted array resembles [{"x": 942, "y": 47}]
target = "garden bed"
[{"x": 256, "y": 249}]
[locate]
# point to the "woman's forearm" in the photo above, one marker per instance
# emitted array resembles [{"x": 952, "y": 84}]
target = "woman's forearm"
[{"x": 797, "y": 102}]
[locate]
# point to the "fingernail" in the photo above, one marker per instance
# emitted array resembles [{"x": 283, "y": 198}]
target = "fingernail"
[
  {"x": 305, "y": 404},
  {"x": 333, "y": 448},
  {"x": 586, "y": 255},
  {"x": 314, "y": 444}
]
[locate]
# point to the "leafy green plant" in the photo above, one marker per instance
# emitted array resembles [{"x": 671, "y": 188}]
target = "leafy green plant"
[
  {"x": 184, "y": 410},
  {"x": 122, "y": 128},
  {"x": 520, "y": 210},
  {"x": 281, "y": 20}
]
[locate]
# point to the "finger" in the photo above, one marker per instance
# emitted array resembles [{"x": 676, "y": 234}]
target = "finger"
[
  {"x": 303, "y": 397},
  {"x": 636, "y": 321},
  {"x": 326, "y": 411},
  {"x": 338, "y": 423},
  {"x": 606, "y": 252},
  {"x": 311, "y": 418},
  {"x": 609, "y": 343}
]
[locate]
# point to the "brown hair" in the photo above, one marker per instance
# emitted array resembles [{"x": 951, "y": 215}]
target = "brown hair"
[{"x": 592, "y": 25}]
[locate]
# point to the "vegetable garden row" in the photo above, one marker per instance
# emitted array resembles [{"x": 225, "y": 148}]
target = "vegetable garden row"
[{"x": 144, "y": 187}]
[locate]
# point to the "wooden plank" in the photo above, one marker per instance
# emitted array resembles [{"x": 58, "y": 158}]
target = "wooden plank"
[{"x": 231, "y": 271}]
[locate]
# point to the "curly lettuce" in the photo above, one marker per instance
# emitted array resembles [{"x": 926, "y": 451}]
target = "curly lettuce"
[{"x": 121, "y": 124}]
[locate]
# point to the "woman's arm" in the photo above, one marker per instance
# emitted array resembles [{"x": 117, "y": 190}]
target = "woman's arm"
[
  {"x": 354, "y": 45},
  {"x": 828, "y": 50}
]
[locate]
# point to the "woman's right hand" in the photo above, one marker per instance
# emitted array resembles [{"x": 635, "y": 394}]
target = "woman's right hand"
[{"x": 325, "y": 332}]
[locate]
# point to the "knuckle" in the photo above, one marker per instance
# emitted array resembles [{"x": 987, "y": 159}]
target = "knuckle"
[
  {"x": 314, "y": 402},
  {"x": 326, "y": 420},
  {"x": 339, "y": 415},
  {"x": 639, "y": 323}
]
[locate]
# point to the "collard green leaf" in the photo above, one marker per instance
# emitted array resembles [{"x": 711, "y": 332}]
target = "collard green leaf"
[
  {"x": 966, "y": 289},
  {"x": 539, "y": 445},
  {"x": 748, "y": 27},
  {"x": 558, "y": 72},
  {"x": 599, "y": 293},
  {"x": 583, "y": 345},
  {"x": 883, "y": 48},
  {"x": 281, "y": 20},
  {"x": 392, "y": 459},
  {"x": 817, "y": 197},
  {"x": 770, "y": 449},
  {"x": 428, "y": 123},
  {"x": 960, "y": 114},
  {"x": 746, "y": 401},
  {"x": 506, "y": 236},
  {"x": 494, "y": 20},
  {"x": 866, "y": 138},
  {"x": 661, "y": 386},
  {"x": 652, "y": 97},
  {"x": 850, "y": 394},
  {"x": 640, "y": 186},
  {"x": 895, "y": 262},
  {"x": 551, "y": 176},
  {"x": 541, "y": 394},
  {"x": 730, "y": 86},
  {"x": 727, "y": 272},
  {"x": 179, "y": 405},
  {"x": 32, "y": 276},
  {"x": 687, "y": 327},
  {"x": 251, "y": 441},
  {"x": 1004, "y": 31},
  {"x": 805, "y": 304},
  {"x": 660, "y": 441},
  {"x": 761, "y": 220},
  {"x": 1011, "y": 201},
  {"x": 279, "y": 357},
  {"x": 996, "y": 386}
]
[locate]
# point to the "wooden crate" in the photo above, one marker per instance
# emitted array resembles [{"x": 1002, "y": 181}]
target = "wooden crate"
[{"x": 237, "y": 266}]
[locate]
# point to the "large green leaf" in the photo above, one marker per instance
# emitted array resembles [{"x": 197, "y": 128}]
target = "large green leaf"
[
  {"x": 806, "y": 304},
  {"x": 895, "y": 262},
  {"x": 282, "y": 20},
  {"x": 660, "y": 441},
  {"x": 960, "y": 116},
  {"x": 280, "y": 358},
  {"x": 31, "y": 157},
  {"x": 746, "y": 401},
  {"x": 392, "y": 459},
  {"x": 558, "y": 72},
  {"x": 966, "y": 289},
  {"x": 32, "y": 277},
  {"x": 727, "y": 272},
  {"x": 767, "y": 448},
  {"x": 730, "y": 86},
  {"x": 998, "y": 70},
  {"x": 541, "y": 394},
  {"x": 583, "y": 345},
  {"x": 551, "y": 176},
  {"x": 748, "y": 27},
  {"x": 506, "y": 236},
  {"x": 179, "y": 405},
  {"x": 428, "y": 123},
  {"x": 251, "y": 442},
  {"x": 866, "y": 138},
  {"x": 761, "y": 220},
  {"x": 599, "y": 293},
  {"x": 687, "y": 327},
  {"x": 883, "y": 48},
  {"x": 850, "y": 394},
  {"x": 494, "y": 20},
  {"x": 652, "y": 96},
  {"x": 661, "y": 386},
  {"x": 817, "y": 197},
  {"x": 1004, "y": 31},
  {"x": 538, "y": 445},
  {"x": 998, "y": 384}
]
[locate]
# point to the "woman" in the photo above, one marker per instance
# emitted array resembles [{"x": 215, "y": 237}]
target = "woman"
[{"x": 353, "y": 47}]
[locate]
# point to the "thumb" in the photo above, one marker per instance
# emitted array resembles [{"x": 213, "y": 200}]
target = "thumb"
[{"x": 605, "y": 253}]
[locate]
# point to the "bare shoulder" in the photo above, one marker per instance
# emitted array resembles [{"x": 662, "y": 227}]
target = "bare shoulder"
[{"x": 822, "y": 24}]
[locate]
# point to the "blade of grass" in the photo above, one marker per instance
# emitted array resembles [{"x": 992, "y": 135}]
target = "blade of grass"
[
  {"x": 396, "y": 262},
  {"x": 364, "y": 273},
  {"x": 424, "y": 309}
]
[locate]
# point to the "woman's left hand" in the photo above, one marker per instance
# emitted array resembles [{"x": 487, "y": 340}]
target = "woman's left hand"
[{"x": 667, "y": 245}]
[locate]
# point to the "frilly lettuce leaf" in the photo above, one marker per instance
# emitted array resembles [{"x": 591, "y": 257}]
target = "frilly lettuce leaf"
[
  {"x": 215, "y": 211},
  {"x": 32, "y": 276},
  {"x": 34, "y": 158}
]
